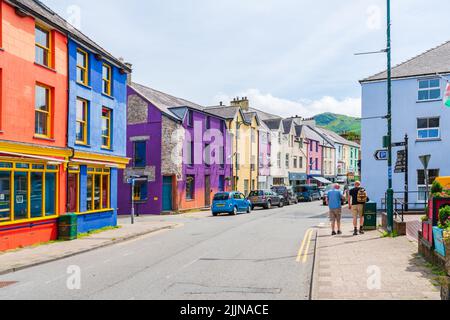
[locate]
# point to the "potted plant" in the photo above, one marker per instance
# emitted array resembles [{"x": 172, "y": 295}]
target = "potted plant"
[{"x": 441, "y": 232}]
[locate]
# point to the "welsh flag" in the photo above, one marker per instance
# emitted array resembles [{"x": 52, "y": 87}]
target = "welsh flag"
[{"x": 447, "y": 95}]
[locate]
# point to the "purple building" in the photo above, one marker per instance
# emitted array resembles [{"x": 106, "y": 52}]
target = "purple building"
[{"x": 178, "y": 151}]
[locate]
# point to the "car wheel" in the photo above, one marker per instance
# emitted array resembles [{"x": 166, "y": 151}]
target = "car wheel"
[
  {"x": 249, "y": 209},
  {"x": 281, "y": 205},
  {"x": 235, "y": 211},
  {"x": 269, "y": 205},
  {"x": 215, "y": 214}
]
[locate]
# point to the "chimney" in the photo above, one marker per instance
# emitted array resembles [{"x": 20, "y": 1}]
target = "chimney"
[
  {"x": 242, "y": 103},
  {"x": 129, "y": 75}
]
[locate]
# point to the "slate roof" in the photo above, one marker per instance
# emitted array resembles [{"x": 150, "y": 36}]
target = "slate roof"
[
  {"x": 311, "y": 134},
  {"x": 225, "y": 112},
  {"x": 40, "y": 11},
  {"x": 336, "y": 138},
  {"x": 273, "y": 124},
  {"x": 288, "y": 123},
  {"x": 431, "y": 62},
  {"x": 264, "y": 115}
]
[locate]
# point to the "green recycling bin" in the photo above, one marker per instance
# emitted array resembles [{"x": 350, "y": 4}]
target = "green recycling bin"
[
  {"x": 68, "y": 227},
  {"x": 370, "y": 216}
]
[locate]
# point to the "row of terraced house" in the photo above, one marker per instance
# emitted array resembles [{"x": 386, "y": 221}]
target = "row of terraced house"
[{"x": 74, "y": 128}]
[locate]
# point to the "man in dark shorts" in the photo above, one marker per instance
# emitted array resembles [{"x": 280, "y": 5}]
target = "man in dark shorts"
[{"x": 357, "y": 202}]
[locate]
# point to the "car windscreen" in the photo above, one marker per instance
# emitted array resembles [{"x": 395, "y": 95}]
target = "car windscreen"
[
  {"x": 221, "y": 196},
  {"x": 256, "y": 194}
]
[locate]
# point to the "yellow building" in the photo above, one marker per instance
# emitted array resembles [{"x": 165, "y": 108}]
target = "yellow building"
[{"x": 243, "y": 127}]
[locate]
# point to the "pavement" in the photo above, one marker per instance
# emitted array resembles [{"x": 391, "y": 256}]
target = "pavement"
[
  {"x": 369, "y": 267},
  {"x": 16, "y": 260},
  {"x": 265, "y": 255}
]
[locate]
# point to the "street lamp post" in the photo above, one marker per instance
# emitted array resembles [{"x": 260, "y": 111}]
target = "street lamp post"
[{"x": 390, "y": 191}]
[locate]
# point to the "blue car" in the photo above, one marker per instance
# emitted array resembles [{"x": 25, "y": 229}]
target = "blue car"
[{"x": 230, "y": 202}]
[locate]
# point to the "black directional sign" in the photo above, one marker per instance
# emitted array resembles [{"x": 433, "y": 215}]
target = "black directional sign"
[
  {"x": 400, "y": 166},
  {"x": 399, "y": 144}
]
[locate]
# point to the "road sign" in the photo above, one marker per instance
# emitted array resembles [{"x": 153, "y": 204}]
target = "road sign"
[
  {"x": 399, "y": 144},
  {"x": 381, "y": 155},
  {"x": 400, "y": 167}
]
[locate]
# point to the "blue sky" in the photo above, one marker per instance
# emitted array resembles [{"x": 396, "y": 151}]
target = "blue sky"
[{"x": 290, "y": 57}]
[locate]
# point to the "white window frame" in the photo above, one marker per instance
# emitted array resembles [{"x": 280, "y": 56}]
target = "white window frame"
[
  {"x": 428, "y": 129},
  {"x": 428, "y": 89}
]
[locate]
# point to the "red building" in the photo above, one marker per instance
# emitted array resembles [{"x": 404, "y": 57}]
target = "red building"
[{"x": 33, "y": 124}]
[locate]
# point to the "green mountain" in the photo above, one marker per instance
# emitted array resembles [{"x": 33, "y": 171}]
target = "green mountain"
[{"x": 339, "y": 123}]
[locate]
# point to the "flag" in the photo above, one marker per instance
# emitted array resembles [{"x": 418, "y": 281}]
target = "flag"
[{"x": 447, "y": 95}]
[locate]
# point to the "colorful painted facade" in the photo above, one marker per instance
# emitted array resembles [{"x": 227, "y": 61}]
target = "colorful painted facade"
[
  {"x": 33, "y": 127},
  {"x": 179, "y": 151},
  {"x": 96, "y": 133}
]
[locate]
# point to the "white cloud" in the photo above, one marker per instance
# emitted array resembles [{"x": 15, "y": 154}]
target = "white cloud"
[{"x": 304, "y": 108}]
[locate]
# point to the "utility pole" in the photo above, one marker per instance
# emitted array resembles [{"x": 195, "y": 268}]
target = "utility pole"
[{"x": 390, "y": 191}]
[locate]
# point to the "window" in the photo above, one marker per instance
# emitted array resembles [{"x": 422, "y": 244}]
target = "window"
[
  {"x": 287, "y": 161},
  {"x": 42, "y": 111},
  {"x": 429, "y": 89},
  {"x": 428, "y": 128},
  {"x": 421, "y": 182},
  {"x": 253, "y": 132},
  {"x": 208, "y": 123},
  {"x": 190, "y": 187},
  {"x": 301, "y": 162},
  {"x": 82, "y": 122},
  {"x": 98, "y": 186},
  {"x": 106, "y": 128},
  {"x": 317, "y": 147},
  {"x": 279, "y": 160},
  {"x": 311, "y": 146},
  {"x": 140, "y": 192},
  {"x": 317, "y": 164},
  {"x": 279, "y": 138},
  {"x": 190, "y": 118},
  {"x": 42, "y": 46},
  {"x": 295, "y": 163},
  {"x": 310, "y": 164},
  {"x": 27, "y": 191},
  {"x": 106, "y": 79},
  {"x": 82, "y": 67},
  {"x": 190, "y": 153},
  {"x": 140, "y": 154},
  {"x": 207, "y": 154}
]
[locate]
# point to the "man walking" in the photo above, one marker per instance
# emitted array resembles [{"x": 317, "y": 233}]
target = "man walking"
[
  {"x": 334, "y": 200},
  {"x": 357, "y": 201}
]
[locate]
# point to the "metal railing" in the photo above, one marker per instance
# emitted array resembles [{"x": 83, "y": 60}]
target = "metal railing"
[{"x": 403, "y": 206}]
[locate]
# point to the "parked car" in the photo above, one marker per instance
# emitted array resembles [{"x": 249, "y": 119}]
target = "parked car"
[
  {"x": 308, "y": 193},
  {"x": 230, "y": 202},
  {"x": 265, "y": 199},
  {"x": 344, "y": 189},
  {"x": 287, "y": 193}
]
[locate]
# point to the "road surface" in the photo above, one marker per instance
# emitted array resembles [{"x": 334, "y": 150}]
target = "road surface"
[{"x": 265, "y": 255}]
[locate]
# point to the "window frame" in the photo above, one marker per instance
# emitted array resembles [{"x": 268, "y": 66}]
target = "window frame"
[
  {"x": 75, "y": 170},
  {"x": 429, "y": 89},
  {"x": 85, "y": 81},
  {"x": 99, "y": 171},
  {"x": 29, "y": 167},
  {"x": 135, "y": 145},
  {"x": 84, "y": 122},
  {"x": 190, "y": 196},
  {"x": 106, "y": 80},
  {"x": 48, "y": 113},
  {"x": 47, "y": 50},
  {"x": 423, "y": 186},
  {"x": 428, "y": 129},
  {"x": 109, "y": 120}
]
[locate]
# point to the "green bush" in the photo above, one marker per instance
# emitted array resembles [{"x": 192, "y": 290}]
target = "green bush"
[
  {"x": 437, "y": 188},
  {"x": 444, "y": 215}
]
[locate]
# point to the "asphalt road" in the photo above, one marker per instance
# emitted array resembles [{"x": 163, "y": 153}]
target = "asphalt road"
[{"x": 265, "y": 255}]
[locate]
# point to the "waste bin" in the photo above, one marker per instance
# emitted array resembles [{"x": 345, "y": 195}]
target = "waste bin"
[
  {"x": 68, "y": 227},
  {"x": 370, "y": 216}
]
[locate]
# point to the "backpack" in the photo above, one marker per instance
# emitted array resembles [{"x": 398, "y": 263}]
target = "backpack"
[{"x": 362, "y": 196}]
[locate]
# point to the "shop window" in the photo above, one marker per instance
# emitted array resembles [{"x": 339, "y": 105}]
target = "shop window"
[
  {"x": 82, "y": 124},
  {"x": 190, "y": 187},
  {"x": 106, "y": 79},
  {"x": 42, "y": 109},
  {"x": 140, "y": 154},
  {"x": 42, "y": 46},
  {"x": 50, "y": 188},
  {"x": 140, "y": 192},
  {"x": 106, "y": 128},
  {"x": 20, "y": 195},
  {"x": 37, "y": 194},
  {"x": 98, "y": 189},
  {"x": 82, "y": 67},
  {"x": 5, "y": 196}
]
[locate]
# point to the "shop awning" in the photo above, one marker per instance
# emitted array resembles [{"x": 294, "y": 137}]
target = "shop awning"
[
  {"x": 322, "y": 180},
  {"x": 23, "y": 155},
  {"x": 100, "y": 163}
]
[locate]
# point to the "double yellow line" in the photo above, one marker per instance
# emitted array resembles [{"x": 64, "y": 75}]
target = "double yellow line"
[{"x": 304, "y": 249}]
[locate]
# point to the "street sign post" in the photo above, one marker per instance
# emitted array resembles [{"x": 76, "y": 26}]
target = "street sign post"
[
  {"x": 381, "y": 155},
  {"x": 425, "y": 162}
]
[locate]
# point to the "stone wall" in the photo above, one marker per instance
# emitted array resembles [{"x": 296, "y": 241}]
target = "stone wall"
[
  {"x": 172, "y": 148},
  {"x": 137, "y": 110}
]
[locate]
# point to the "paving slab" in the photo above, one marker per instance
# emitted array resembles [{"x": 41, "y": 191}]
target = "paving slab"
[{"x": 370, "y": 267}]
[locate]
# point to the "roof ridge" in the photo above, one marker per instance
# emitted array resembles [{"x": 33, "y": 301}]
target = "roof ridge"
[
  {"x": 167, "y": 94},
  {"x": 408, "y": 60}
]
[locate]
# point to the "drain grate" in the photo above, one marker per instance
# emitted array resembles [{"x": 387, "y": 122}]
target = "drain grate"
[{"x": 6, "y": 284}]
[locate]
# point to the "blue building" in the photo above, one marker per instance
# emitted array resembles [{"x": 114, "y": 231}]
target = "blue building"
[
  {"x": 418, "y": 110},
  {"x": 96, "y": 133}
]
